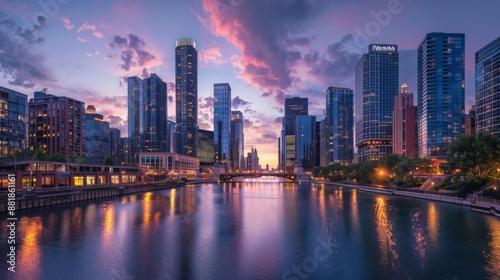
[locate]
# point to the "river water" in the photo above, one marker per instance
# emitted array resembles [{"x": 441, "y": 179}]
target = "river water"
[{"x": 255, "y": 229}]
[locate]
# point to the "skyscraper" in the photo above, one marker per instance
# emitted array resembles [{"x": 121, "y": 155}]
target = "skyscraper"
[
  {"x": 147, "y": 115},
  {"x": 294, "y": 107},
  {"x": 154, "y": 133},
  {"x": 97, "y": 134},
  {"x": 171, "y": 137},
  {"x": 13, "y": 109},
  {"x": 305, "y": 142},
  {"x": 339, "y": 116},
  {"x": 222, "y": 124},
  {"x": 56, "y": 125},
  {"x": 377, "y": 82},
  {"x": 186, "y": 97},
  {"x": 441, "y": 94},
  {"x": 237, "y": 141},
  {"x": 470, "y": 121},
  {"x": 488, "y": 88},
  {"x": 405, "y": 126},
  {"x": 135, "y": 97}
]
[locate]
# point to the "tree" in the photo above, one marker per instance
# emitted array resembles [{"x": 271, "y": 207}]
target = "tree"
[
  {"x": 76, "y": 159},
  {"x": 108, "y": 161},
  {"x": 409, "y": 169},
  {"x": 57, "y": 158},
  {"x": 476, "y": 157},
  {"x": 40, "y": 155}
]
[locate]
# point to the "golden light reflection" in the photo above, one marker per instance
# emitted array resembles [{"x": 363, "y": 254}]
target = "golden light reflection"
[
  {"x": 387, "y": 242},
  {"x": 108, "y": 222},
  {"x": 322, "y": 205},
  {"x": 419, "y": 235},
  {"x": 433, "y": 224},
  {"x": 146, "y": 215},
  {"x": 172, "y": 202},
  {"x": 29, "y": 251},
  {"x": 493, "y": 255},
  {"x": 355, "y": 210}
]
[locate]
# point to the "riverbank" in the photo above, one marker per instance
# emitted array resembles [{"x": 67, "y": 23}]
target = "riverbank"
[
  {"x": 473, "y": 205},
  {"x": 31, "y": 201}
]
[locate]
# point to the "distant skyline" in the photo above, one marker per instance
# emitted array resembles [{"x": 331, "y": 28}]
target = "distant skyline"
[{"x": 266, "y": 50}]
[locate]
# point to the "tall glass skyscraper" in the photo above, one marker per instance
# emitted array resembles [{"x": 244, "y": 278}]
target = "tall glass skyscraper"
[
  {"x": 377, "y": 82},
  {"x": 305, "y": 142},
  {"x": 339, "y": 116},
  {"x": 13, "y": 109},
  {"x": 206, "y": 147},
  {"x": 135, "y": 97},
  {"x": 237, "y": 141},
  {"x": 294, "y": 107},
  {"x": 186, "y": 97},
  {"x": 154, "y": 133},
  {"x": 222, "y": 124},
  {"x": 147, "y": 115},
  {"x": 488, "y": 88},
  {"x": 441, "y": 94}
]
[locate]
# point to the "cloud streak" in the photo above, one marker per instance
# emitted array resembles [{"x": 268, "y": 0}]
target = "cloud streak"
[{"x": 132, "y": 52}]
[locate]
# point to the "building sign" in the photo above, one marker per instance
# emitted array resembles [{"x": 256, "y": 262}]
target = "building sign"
[{"x": 383, "y": 48}]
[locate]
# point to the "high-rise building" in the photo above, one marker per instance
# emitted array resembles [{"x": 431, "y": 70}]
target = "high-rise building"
[
  {"x": 154, "y": 133},
  {"x": 186, "y": 97},
  {"x": 339, "y": 123},
  {"x": 97, "y": 137},
  {"x": 470, "y": 121},
  {"x": 114, "y": 145},
  {"x": 318, "y": 144},
  {"x": 206, "y": 147},
  {"x": 222, "y": 124},
  {"x": 56, "y": 125},
  {"x": 488, "y": 88},
  {"x": 125, "y": 156},
  {"x": 377, "y": 82},
  {"x": 441, "y": 94},
  {"x": 135, "y": 97},
  {"x": 305, "y": 142},
  {"x": 294, "y": 107},
  {"x": 325, "y": 142},
  {"x": 253, "y": 161},
  {"x": 13, "y": 109},
  {"x": 171, "y": 137},
  {"x": 405, "y": 125},
  {"x": 147, "y": 113},
  {"x": 237, "y": 140}
]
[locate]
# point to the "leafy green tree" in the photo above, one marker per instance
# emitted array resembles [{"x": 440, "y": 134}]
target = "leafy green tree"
[
  {"x": 57, "y": 158},
  {"x": 108, "y": 161},
  {"x": 76, "y": 159},
  {"x": 409, "y": 169},
  {"x": 40, "y": 155},
  {"x": 476, "y": 157}
]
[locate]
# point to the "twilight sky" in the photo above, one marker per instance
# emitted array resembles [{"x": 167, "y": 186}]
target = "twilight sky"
[{"x": 266, "y": 49}]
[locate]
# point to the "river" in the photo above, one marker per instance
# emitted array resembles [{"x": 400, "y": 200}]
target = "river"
[{"x": 254, "y": 229}]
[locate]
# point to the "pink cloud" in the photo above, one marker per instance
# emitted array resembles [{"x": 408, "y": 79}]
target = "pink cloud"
[
  {"x": 98, "y": 34},
  {"x": 211, "y": 55},
  {"x": 83, "y": 40},
  {"x": 67, "y": 23},
  {"x": 86, "y": 26}
]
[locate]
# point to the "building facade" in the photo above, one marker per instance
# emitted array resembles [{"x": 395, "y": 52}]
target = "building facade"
[
  {"x": 169, "y": 163},
  {"x": 470, "y": 121},
  {"x": 305, "y": 142},
  {"x": 488, "y": 88},
  {"x": 114, "y": 145},
  {"x": 377, "y": 82},
  {"x": 97, "y": 137},
  {"x": 56, "y": 124},
  {"x": 222, "y": 124},
  {"x": 154, "y": 131},
  {"x": 171, "y": 137},
  {"x": 135, "y": 97},
  {"x": 186, "y": 97},
  {"x": 253, "y": 161},
  {"x": 339, "y": 118},
  {"x": 13, "y": 109},
  {"x": 441, "y": 93},
  {"x": 237, "y": 141},
  {"x": 206, "y": 147},
  {"x": 405, "y": 125},
  {"x": 294, "y": 107}
]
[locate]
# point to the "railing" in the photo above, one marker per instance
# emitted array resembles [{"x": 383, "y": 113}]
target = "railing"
[{"x": 487, "y": 200}]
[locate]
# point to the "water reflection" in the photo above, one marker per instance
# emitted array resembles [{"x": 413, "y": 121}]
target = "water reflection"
[{"x": 256, "y": 229}]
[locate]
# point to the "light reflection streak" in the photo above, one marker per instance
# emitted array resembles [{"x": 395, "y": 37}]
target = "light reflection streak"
[
  {"x": 419, "y": 235},
  {"x": 387, "y": 243},
  {"x": 433, "y": 224},
  {"x": 29, "y": 250},
  {"x": 493, "y": 255}
]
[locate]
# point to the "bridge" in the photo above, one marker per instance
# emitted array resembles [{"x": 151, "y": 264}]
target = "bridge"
[{"x": 229, "y": 176}]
